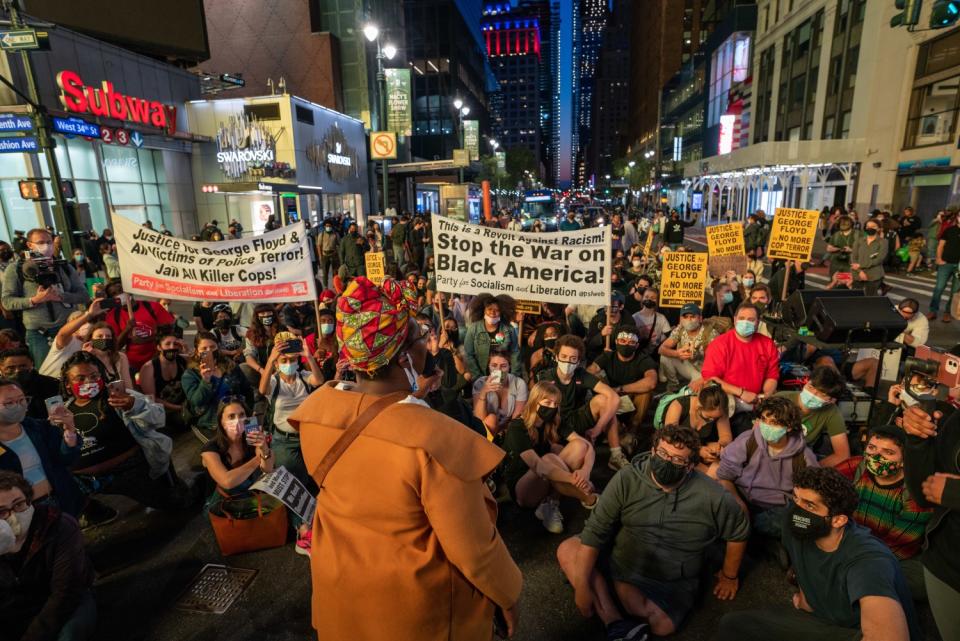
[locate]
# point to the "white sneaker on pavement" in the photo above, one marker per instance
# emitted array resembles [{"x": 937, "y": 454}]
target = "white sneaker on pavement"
[{"x": 618, "y": 460}]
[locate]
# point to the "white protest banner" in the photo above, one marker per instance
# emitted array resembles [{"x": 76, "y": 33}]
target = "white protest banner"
[
  {"x": 561, "y": 267},
  {"x": 282, "y": 485},
  {"x": 273, "y": 267}
]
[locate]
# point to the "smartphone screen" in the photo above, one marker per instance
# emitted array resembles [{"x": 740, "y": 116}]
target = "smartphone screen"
[
  {"x": 496, "y": 376},
  {"x": 53, "y": 403},
  {"x": 116, "y": 387},
  {"x": 293, "y": 346},
  {"x": 251, "y": 424}
]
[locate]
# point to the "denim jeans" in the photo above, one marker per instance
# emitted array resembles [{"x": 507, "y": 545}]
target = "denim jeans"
[
  {"x": 38, "y": 342},
  {"x": 944, "y": 274}
]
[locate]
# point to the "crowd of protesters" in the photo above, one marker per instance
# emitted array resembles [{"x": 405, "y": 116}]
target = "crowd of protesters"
[{"x": 415, "y": 410}]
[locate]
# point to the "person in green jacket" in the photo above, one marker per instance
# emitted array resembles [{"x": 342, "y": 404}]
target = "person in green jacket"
[
  {"x": 490, "y": 330},
  {"x": 840, "y": 245},
  {"x": 352, "y": 248}
]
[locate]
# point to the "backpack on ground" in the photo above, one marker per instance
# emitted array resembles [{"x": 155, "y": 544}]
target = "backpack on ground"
[{"x": 664, "y": 403}]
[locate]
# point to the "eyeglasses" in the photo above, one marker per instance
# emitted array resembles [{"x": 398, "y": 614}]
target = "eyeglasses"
[
  {"x": 20, "y": 402},
  {"x": 677, "y": 460},
  {"x": 19, "y": 506}
]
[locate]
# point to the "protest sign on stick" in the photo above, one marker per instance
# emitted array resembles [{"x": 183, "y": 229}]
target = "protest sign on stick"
[
  {"x": 684, "y": 278},
  {"x": 272, "y": 267},
  {"x": 725, "y": 240},
  {"x": 792, "y": 234},
  {"x": 376, "y": 264},
  {"x": 720, "y": 265},
  {"x": 567, "y": 267}
]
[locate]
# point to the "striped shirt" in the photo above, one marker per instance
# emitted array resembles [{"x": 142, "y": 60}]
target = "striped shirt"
[{"x": 888, "y": 511}]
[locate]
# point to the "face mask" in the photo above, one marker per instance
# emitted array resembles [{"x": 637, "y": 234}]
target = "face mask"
[
  {"x": 649, "y": 304},
  {"x": 879, "y": 466},
  {"x": 807, "y": 525},
  {"x": 667, "y": 473},
  {"x": 545, "y": 413},
  {"x": 78, "y": 257},
  {"x": 103, "y": 344},
  {"x": 727, "y": 298},
  {"x": 745, "y": 328},
  {"x": 748, "y": 282},
  {"x": 567, "y": 368},
  {"x": 772, "y": 433},
  {"x": 223, "y": 323},
  {"x": 266, "y": 321},
  {"x": 690, "y": 325},
  {"x": 326, "y": 328},
  {"x": 45, "y": 249},
  {"x": 170, "y": 354},
  {"x": 503, "y": 376},
  {"x": 760, "y": 307},
  {"x": 635, "y": 263},
  {"x": 19, "y": 524},
  {"x": 25, "y": 376},
  {"x": 288, "y": 369},
  {"x": 811, "y": 401},
  {"x": 871, "y": 231},
  {"x": 6, "y": 254},
  {"x": 550, "y": 343},
  {"x": 412, "y": 378},
  {"x": 627, "y": 351},
  {"x": 12, "y": 415},
  {"x": 328, "y": 229},
  {"x": 8, "y": 540},
  {"x": 454, "y": 336},
  {"x": 87, "y": 390},
  {"x": 491, "y": 320},
  {"x": 231, "y": 425}
]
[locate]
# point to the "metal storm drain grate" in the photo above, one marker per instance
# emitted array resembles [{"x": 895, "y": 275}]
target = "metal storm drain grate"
[{"x": 215, "y": 589}]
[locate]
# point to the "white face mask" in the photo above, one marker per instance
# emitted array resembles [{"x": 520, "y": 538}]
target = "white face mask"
[
  {"x": 8, "y": 540},
  {"x": 19, "y": 523},
  {"x": 491, "y": 320},
  {"x": 566, "y": 368}
]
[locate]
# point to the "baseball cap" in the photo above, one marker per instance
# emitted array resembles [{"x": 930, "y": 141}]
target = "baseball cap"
[
  {"x": 691, "y": 308},
  {"x": 616, "y": 297}
]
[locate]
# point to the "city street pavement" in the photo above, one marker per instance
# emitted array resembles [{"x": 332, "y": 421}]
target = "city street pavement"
[{"x": 147, "y": 558}]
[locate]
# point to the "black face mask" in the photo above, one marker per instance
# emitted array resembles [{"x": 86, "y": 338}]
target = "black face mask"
[
  {"x": 667, "y": 473},
  {"x": 550, "y": 343},
  {"x": 871, "y": 232},
  {"x": 807, "y": 525},
  {"x": 546, "y": 414},
  {"x": 6, "y": 254},
  {"x": 223, "y": 323},
  {"x": 103, "y": 344},
  {"x": 627, "y": 351},
  {"x": 454, "y": 336},
  {"x": 649, "y": 304},
  {"x": 266, "y": 321},
  {"x": 170, "y": 354},
  {"x": 25, "y": 376}
]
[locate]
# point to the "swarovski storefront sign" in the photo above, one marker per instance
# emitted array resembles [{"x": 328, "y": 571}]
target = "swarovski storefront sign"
[{"x": 334, "y": 155}]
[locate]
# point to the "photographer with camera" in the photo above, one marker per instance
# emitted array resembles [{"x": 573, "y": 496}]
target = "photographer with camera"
[{"x": 44, "y": 289}]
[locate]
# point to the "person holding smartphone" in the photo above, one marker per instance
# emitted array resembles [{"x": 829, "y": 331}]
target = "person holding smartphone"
[
  {"x": 235, "y": 458},
  {"x": 499, "y": 397},
  {"x": 210, "y": 377}
]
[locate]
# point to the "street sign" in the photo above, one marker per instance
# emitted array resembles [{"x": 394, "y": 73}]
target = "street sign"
[
  {"x": 461, "y": 158},
  {"x": 76, "y": 127},
  {"x": 106, "y": 134},
  {"x": 20, "y": 145},
  {"x": 123, "y": 137},
  {"x": 383, "y": 145},
  {"x": 18, "y": 39},
  {"x": 137, "y": 139},
  {"x": 15, "y": 122}
]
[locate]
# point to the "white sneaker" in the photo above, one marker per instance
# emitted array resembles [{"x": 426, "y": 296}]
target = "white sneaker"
[
  {"x": 552, "y": 519},
  {"x": 617, "y": 461}
]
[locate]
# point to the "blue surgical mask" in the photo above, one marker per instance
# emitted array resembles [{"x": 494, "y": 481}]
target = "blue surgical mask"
[
  {"x": 288, "y": 369},
  {"x": 772, "y": 433},
  {"x": 748, "y": 282},
  {"x": 745, "y": 328},
  {"x": 811, "y": 401},
  {"x": 326, "y": 328},
  {"x": 727, "y": 298}
]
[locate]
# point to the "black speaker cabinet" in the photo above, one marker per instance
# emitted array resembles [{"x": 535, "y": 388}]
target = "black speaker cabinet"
[
  {"x": 796, "y": 310},
  {"x": 858, "y": 319}
]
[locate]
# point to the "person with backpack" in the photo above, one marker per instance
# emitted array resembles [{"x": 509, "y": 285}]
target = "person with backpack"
[
  {"x": 707, "y": 413},
  {"x": 758, "y": 467},
  {"x": 824, "y": 429},
  {"x": 160, "y": 378},
  {"x": 230, "y": 337}
]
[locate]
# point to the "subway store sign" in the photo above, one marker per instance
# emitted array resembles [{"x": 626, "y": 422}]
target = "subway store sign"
[{"x": 109, "y": 102}]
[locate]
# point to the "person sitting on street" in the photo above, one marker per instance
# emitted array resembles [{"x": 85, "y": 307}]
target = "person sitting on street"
[
  {"x": 682, "y": 353},
  {"x": 744, "y": 363},
  {"x": 71, "y": 338},
  {"x": 103, "y": 345},
  {"x": 758, "y": 467},
  {"x": 136, "y": 324},
  {"x": 724, "y": 303},
  {"x": 848, "y": 580},
  {"x": 708, "y": 414},
  {"x": 42, "y": 450},
  {"x": 234, "y": 457},
  {"x": 229, "y": 335},
  {"x": 161, "y": 378},
  {"x": 824, "y": 429},
  {"x": 545, "y": 358},
  {"x": 539, "y": 468},
  {"x": 605, "y": 325},
  {"x": 587, "y": 418},
  {"x": 886, "y": 506},
  {"x": 652, "y": 326},
  {"x": 649, "y": 532},
  {"x": 17, "y": 365},
  {"x": 499, "y": 397},
  {"x": 258, "y": 342},
  {"x": 490, "y": 330},
  {"x": 630, "y": 373},
  {"x": 46, "y": 589},
  {"x": 210, "y": 377}
]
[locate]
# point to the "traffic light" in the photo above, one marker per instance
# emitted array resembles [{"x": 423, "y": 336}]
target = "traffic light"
[
  {"x": 910, "y": 13},
  {"x": 944, "y": 13},
  {"x": 67, "y": 189},
  {"x": 32, "y": 190}
]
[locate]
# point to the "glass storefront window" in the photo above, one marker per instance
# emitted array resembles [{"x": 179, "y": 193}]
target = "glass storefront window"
[
  {"x": 121, "y": 164},
  {"x": 147, "y": 173},
  {"x": 83, "y": 160},
  {"x": 151, "y": 194},
  {"x": 89, "y": 191},
  {"x": 13, "y": 165},
  {"x": 126, "y": 194},
  {"x": 933, "y": 113}
]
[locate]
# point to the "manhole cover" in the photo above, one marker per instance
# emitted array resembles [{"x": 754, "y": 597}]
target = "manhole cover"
[{"x": 215, "y": 589}]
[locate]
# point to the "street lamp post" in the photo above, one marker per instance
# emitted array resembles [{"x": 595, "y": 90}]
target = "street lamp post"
[
  {"x": 496, "y": 167},
  {"x": 372, "y": 33},
  {"x": 462, "y": 112}
]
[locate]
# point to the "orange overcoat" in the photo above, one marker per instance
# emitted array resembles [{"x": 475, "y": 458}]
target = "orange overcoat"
[{"x": 405, "y": 544}]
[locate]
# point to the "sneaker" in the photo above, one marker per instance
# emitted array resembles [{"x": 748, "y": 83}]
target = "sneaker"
[
  {"x": 97, "y": 514},
  {"x": 549, "y": 513},
  {"x": 304, "y": 542},
  {"x": 618, "y": 460},
  {"x": 628, "y": 630}
]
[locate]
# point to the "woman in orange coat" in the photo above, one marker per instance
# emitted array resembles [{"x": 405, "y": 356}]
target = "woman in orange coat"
[{"x": 405, "y": 544}]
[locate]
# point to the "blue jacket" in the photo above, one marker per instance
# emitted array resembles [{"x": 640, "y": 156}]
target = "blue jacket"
[
  {"x": 477, "y": 345},
  {"x": 56, "y": 457}
]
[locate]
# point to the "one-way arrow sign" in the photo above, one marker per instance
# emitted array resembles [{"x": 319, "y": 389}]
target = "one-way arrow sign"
[
  {"x": 19, "y": 39},
  {"x": 137, "y": 139}
]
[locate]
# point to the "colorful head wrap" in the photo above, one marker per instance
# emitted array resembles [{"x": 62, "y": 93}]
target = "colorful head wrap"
[{"x": 372, "y": 322}]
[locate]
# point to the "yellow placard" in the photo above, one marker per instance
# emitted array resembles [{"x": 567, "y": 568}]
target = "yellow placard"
[
  {"x": 726, "y": 240},
  {"x": 648, "y": 243},
  {"x": 792, "y": 234},
  {"x": 684, "y": 278},
  {"x": 383, "y": 145},
  {"x": 528, "y": 307},
  {"x": 376, "y": 263}
]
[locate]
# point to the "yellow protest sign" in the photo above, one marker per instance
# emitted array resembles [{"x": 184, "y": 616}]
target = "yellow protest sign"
[
  {"x": 726, "y": 240},
  {"x": 376, "y": 263},
  {"x": 792, "y": 234},
  {"x": 528, "y": 307},
  {"x": 684, "y": 278},
  {"x": 648, "y": 244}
]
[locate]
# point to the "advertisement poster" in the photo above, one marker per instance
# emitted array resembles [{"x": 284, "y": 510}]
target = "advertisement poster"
[
  {"x": 399, "y": 114},
  {"x": 471, "y": 138}
]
